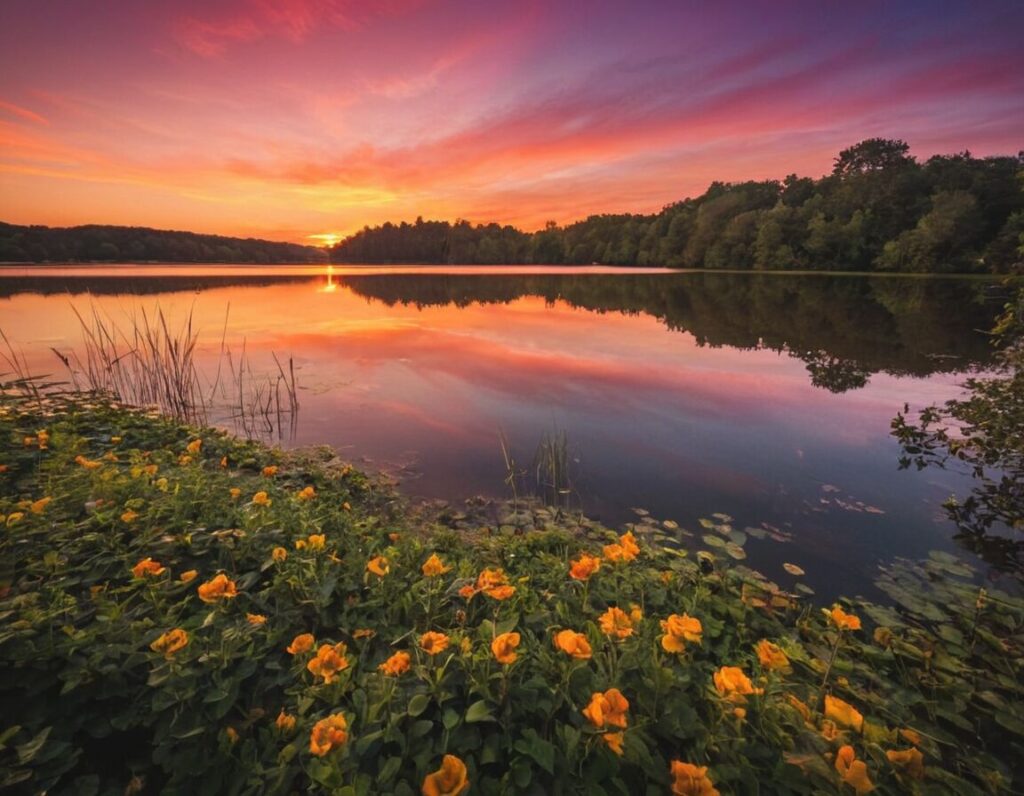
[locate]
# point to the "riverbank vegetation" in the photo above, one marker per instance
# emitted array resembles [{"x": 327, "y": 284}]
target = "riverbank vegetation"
[
  {"x": 98, "y": 243},
  {"x": 185, "y": 612},
  {"x": 879, "y": 210}
]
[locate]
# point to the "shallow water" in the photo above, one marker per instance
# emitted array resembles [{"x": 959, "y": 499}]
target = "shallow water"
[{"x": 765, "y": 396}]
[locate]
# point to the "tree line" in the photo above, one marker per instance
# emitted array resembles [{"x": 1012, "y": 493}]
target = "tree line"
[
  {"x": 879, "y": 210},
  {"x": 94, "y": 243}
]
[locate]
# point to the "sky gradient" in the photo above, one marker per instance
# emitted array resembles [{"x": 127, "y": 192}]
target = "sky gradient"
[{"x": 291, "y": 119}]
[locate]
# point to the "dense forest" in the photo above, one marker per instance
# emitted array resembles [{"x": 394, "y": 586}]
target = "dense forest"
[
  {"x": 96, "y": 243},
  {"x": 879, "y": 210}
]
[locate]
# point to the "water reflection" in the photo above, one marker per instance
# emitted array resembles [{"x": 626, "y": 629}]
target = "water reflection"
[{"x": 765, "y": 396}]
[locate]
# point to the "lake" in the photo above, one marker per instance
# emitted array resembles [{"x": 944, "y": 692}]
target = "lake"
[{"x": 765, "y": 396}]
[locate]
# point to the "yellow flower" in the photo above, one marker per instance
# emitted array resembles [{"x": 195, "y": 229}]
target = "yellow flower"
[
  {"x": 434, "y": 566},
  {"x": 285, "y": 722},
  {"x": 194, "y": 446},
  {"x": 843, "y": 620},
  {"x": 256, "y": 619},
  {"x": 29, "y": 441},
  {"x": 910, "y": 762},
  {"x": 147, "y": 567},
  {"x": 88, "y": 464},
  {"x": 328, "y": 661},
  {"x": 161, "y": 484},
  {"x": 396, "y": 665},
  {"x": 449, "y": 780},
  {"x": 116, "y": 440},
  {"x": 853, "y": 772},
  {"x": 584, "y": 566},
  {"x": 129, "y": 517},
  {"x": 503, "y": 647},
  {"x": 270, "y": 470},
  {"x": 261, "y": 499},
  {"x": 301, "y": 643},
  {"x": 39, "y": 506},
  {"x": 465, "y": 646},
  {"x": 232, "y": 735},
  {"x": 379, "y": 566},
  {"x": 13, "y": 517},
  {"x": 680, "y": 629},
  {"x": 433, "y": 643},
  {"x": 771, "y": 655},
  {"x": 882, "y": 636},
  {"x": 636, "y": 613},
  {"x": 731, "y": 683},
  {"x": 607, "y": 709},
  {"x": 691, "y": 780},
  {"x": 189, "y": 575},
  {"x": 220, "y": 588},
  {"x": 170, "y": 642},
  {"x": 573, "y": 644},
  {"x": 317, "y": 541},
  {"x": 43, "y": 437},
  {"x": 843, "y": 713},
  {"x": 307, "y": 493},
  {"x": 614, "y": 741},
  {"x": 829, "y": 730},
  {"x": 279, "y": 554},
  {"x": 328, "y": 734},
  {"x": 300, "y": 544},
  {"x": 616, "y": 622},
  {"x": 235, "y": 493}
]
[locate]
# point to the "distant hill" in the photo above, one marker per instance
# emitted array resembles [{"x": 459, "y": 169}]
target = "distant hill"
[{"x": 95, "y": 243}]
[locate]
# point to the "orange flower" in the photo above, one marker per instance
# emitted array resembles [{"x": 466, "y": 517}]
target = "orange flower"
[
  {"x": 183, "y": 460},
  {"x": 129, "y": 517},
  {"x": 733, "y": 684},
  {"x": 235, "y": 493},
  {"x": 584, "y": 566},
  {"x": 220, "y": 588},
  {"x": 843, "y": 713},
  {"x": 261, "y": 499},
  {"x": 680, "y": 629},
  {"x": 503, "y": 647},
  {"x": 433, "y": 643},
  {"x": 270, "y": 470},
  {"x": 829, "y": 730},
  {"x": 853, "y": 772},
  {"x": 232, "y": 735},
  {"x": 170, "y": 642},
  {"x": 379, "y": 566},
  {"x": 434, "y": 566},
  {"x": 328, "y": 661},
  {"x": 910, "y": 762},
  {"x": 843, "y": 620},
  {"x": 691, "y": 780},
  {"x": 194, "y": 446},
  {"x": 328, "y": 734},
  {"x": 363, "y": 632},
  {"x": 607, "y": 709},
  {"x": 396, "y": 665},
  {"x": 39, "y": 506},
  {"x": 573, "y": 644},
  {"x": 625, "y": 550},
  {"x": 88, "y": 464},
  {"x": 494, "y": 583},
  {"x": 224, "y": 461},
  {"x": 616, "y": 622},
  {"x": 911, "y": 736},
  {"x": 188, "y": 576},
  {"x": 317, "y": 541},
  {"x": 636, "y": 613},
  {"x": 614, "y": 741},
  {"x": 301, "y": 643},
  {"x": 256, "y": 619},
  {"x": 771, "y": 656},
  {"x": 801, "y": 708},
  {"x": 306, "y": 493},
  {"x": 467, "y": 592},
  {"x": 285, "y": 722},
  {"x": 279, "y": 554},
  {"x": 147, "y": 567},
  {"x": 449, "y": 780}
]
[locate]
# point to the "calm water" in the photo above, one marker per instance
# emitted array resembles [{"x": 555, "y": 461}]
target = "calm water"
[{"x": 768, "y": 397}]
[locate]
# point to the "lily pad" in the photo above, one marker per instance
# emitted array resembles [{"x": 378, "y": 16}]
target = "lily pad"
[{"x": 793, "y": 569}]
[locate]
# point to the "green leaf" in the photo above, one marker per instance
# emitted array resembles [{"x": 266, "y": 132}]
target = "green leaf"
[
  {"x": 479, "y": 711},
  {"x": 27, "y": 751},
  {"x": 418, "y": 704}
]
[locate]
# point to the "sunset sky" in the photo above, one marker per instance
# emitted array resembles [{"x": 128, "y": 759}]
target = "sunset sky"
[{"x": 288, "y": 119}]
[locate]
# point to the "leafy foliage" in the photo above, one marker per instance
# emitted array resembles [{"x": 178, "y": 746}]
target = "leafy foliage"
[
  {"x": 141, "y": 244},
  {"x": 157, "y": 583},
  {"x": 879, "y": 210}
]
